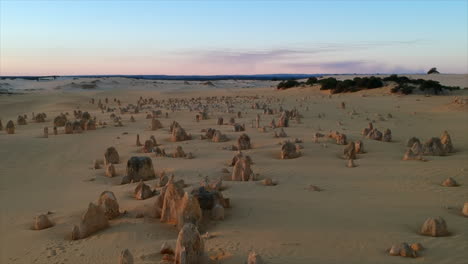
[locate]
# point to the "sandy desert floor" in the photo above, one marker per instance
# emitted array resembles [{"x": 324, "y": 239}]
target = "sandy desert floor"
[{"x": 360, "y": 213}]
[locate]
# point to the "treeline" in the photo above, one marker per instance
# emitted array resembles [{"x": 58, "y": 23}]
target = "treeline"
[{"x": 404, "y": 84}]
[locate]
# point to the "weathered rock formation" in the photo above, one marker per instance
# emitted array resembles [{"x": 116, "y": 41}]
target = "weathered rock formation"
[
  {"x": 350, "y": 151},
  {"x": 414, "y": 152},
  {"x": 339, "y": 138},
  {"x": 111, "y": 156},
  {"x": 179, "y": 134},
  {"x": 142, "y": 191},
  {"x": 219, "y": 137},
  {"x": 110, "y": 170},
  {"x": 125, "y": 257},
  {"x": 446, "y": 141},
  {"x": 289, "y": 150},
  {"x": 403, "y": 250},
  {"x": 139, "y": 168},
  {"x": 10, "y": 127},
  {"x": 109, "y": 204},
  {"x": 449, "y": 182},
  {"x": 155, "y": 124},
  {"x": 359, "y": 146},
  {"x": 21, "y": 120},
  {"x": 179, "y": 153},
  {"x": 254, "y": 258},
  {"x": 433, "y": 147},
  {"x": 243, "y": 142},
  {"x": 189, "y": 246},
  {"x": 435, "y": 227},
  {"x": 42, "y": 222},
  {"x": 283, "y": 120},
  {"x": 242, "y": 170},
  {"x": 238, "y": 127},
  {"x": 92, "y": 221}
]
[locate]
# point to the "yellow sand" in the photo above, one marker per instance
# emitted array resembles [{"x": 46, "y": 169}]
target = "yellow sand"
[{"x": 361, "y": 212}]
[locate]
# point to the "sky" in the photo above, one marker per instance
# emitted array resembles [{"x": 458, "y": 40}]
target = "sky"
[{"x": 80, "y": 37}]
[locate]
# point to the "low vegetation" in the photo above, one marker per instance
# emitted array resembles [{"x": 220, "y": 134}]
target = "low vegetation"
[{"x": 405, "y": 85}]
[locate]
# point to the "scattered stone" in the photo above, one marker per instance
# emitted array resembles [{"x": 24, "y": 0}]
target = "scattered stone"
[
  {"x": 143, "y": 191},
  {"x": 435, "y": 227},
  {"x": 411, "y": 142},
  {"x": 68, "y": 128},
  {"x": 170, "y": 201},
  {"x": 190, "y": 211},
  {"x": 465, "y": 209},
  {"x": 289, "y": 150},
  {"x": 139, "y": 168},
  {"x": 268, "y": 182},
  {"x": 387, "y": 136},
  {"x": 163, "y": 179},
  {"x": 243, "y": 142},
  {"x": 219, "y": 137},
  {"x": 403, "y": 250},
  {"x": 10, "y": 127},
  {"x": 98, "y": 163},
  {"x": 108, "y": 202},
  {"x": 110, "y": 170},
  {"x": 155, "y": 124},
  {"x": 417, "y": 247},
  {"x": 148, "y": 147},
  {"x": 339, "y": 138},
  {"x": 349, "y": 151},
  {"x": 92, "y": 221},
  {"x": 42, "y": 222},
  {"x": 179, "y": 153},
  {"x": 166, "y": 249},
  {"x": 21, "y": 120},
  {"x": 111, "y": 156},
  {"x": 450, "y": 182},
  {"x": 359, "y": 147},
  {"x": 414, "y": 153},
  {"x": 366, "y": 130},
  {"x": 179, "y": 134},
  {"x": 189, "y": 246},
  {"x": 433, "y": 147},
  {"x": 217, "y": 212},
  {"x": 125, "y": 257},
  {"x": 314, "y": 188},
  {"x": 138, "y": 143},
  {"x": 60, "y": 121},
  {"x": 375, "y": 134},
  {"x": 242, "y": 170},
  {"x": 238, "y": 127},
  {"x": 446, "y": 142},
  {"x": 254, "y": 258},
  {"x": 350, "y": 164},
  {"x": 280, "y": 134},
  {"x": 283, "y": 121}
]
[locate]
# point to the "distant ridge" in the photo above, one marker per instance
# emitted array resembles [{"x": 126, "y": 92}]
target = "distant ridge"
[{"x": 178, "y": 77}]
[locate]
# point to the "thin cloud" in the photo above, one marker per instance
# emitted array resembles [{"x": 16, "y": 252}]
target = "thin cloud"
[
  {"x": 281, "y": 54},
  {"x": 351, "y": 66}
]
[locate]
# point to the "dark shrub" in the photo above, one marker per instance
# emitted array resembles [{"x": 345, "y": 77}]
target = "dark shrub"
[
  {"x": 287, "y": 84},
  {"x": 432, "y": 70},
  {"x": 329, "y": 83},
  {"x": 426, "y": 85},
  {"x": 311, "y": 81}
]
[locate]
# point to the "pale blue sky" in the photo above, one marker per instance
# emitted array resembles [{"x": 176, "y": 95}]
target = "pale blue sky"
[{"x": 231, "y": 37}]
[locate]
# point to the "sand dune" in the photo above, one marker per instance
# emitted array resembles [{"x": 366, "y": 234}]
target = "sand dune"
[{"x": 359, "y": 213}]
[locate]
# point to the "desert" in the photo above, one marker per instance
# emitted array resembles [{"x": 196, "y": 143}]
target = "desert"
[{"x": 141, "y": 167}]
